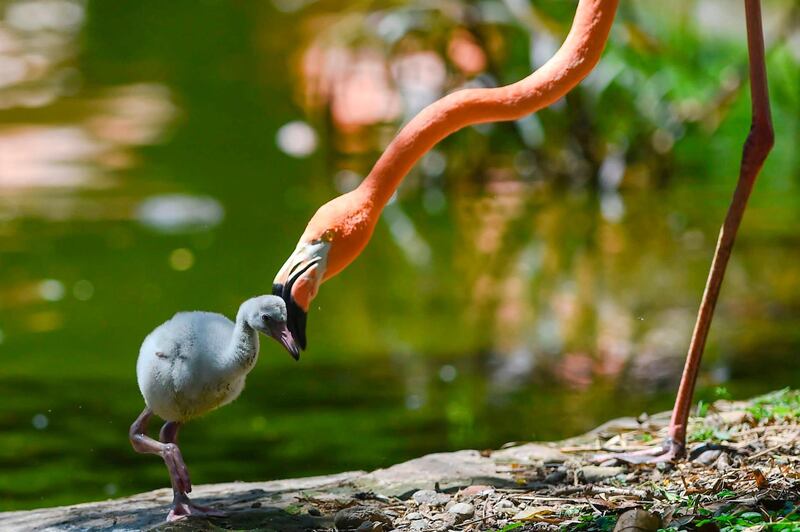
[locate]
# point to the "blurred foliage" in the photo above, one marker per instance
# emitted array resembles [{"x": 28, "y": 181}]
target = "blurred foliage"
[
  {"x": 670, "y": 95},
  {"x": 783, "y": 404}
]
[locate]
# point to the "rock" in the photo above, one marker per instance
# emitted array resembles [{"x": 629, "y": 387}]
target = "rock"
[
  {"x": 148, "y": 511},
  {"x": 733, "y": 418},
  {"x": 462, "y": 511},
  {"x": 413, "y": 516},
  {"x": 356, "y": 517},
  {"x": 723, "y": 462},
  {"x": 592, "y": 474},
  {"x": 556, "y": 476},
  {"x": 449, "y": 470},
  {"x": 314, "y": 511},
  {"x": 638, "y": 520},
  {"x": 473, "y": 491},
  {"x": 505, "y": 507},
  {"x": 530, "y": 453},
  {"x": 708, "y": 457},
  {"x": 369, "y": 526},
  {"x": 431, "y": 498},
  {"x": 615, "y": 426},
  {"x": 420, "y": 524},
  {"x": 444, "y": 521}
]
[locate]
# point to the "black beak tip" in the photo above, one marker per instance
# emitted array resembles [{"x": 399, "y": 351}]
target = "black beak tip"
[
  {"x": 296, "y": 316},
  {"x": 297, "y": 325}
]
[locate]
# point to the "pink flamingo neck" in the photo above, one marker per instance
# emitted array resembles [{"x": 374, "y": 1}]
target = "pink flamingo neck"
[{"x": 574, "y": 60}]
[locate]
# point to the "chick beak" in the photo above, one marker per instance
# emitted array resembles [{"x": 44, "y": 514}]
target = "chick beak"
[{"x": 280, "y": 332}]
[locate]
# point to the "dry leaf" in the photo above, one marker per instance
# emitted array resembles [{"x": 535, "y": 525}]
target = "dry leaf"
[
  {"x": 761, "y": 480},
  {"x": 638, "y": 521},
  {"x": 533, "y": 513}
]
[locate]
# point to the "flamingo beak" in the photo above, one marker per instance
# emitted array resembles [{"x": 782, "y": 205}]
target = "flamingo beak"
[
  {"x": 296, "y": 315},
  {"x": 280, "y": 332}
]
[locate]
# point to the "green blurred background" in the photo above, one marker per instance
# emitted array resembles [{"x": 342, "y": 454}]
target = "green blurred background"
[{"x": 530, "y": 280}]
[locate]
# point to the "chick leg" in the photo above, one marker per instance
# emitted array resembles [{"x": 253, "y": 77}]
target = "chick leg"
[
  {"x": 182, "y": 506},
  {"x": 169, "y": 451},
  {"x": 142, "y": 443}
]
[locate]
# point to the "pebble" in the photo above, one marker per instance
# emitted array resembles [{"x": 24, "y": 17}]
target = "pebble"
[
  {"x": 638, "y": 520},
  {"x": 444, "y": 521},
  {"x": 556, "y": 477},
  {"x": 477, "y": 489},
  {"x": 462, "y": 510},
  {"x": 358, "y": 517},
  {"x": 430, "y": 497},
  {"x": 708, "y": 457},
  {"x": 314, "y": 511},
  {"x": 369, "y": 526},
  {"x": 732, "y": 418},
  {"x": 505, "y": 507},
  {"x": 592, "y": 474},
  {"x": 420, "y": 524},
  {"x": 724, "y": 462},
  {"x": 413, "y": 516}
]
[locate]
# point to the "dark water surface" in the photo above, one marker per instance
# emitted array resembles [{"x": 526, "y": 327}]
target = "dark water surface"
[{"x": 140, "y": 176}]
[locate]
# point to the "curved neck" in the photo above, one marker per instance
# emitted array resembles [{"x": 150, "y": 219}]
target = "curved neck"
[
  {"x": 242, "y": 351},
  {"x": 573, "y": 62}
]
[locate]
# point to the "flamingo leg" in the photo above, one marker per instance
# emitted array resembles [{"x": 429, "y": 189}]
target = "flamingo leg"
[
  {"x": 756, "y": 148},
  {"x": 168, "y": 449}
]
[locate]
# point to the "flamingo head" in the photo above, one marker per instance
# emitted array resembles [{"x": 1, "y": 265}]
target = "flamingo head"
[
  {"x": 334, "y": 237},
  {"x": 267, "y": 314},
  {"x": 297, "y": 283}
]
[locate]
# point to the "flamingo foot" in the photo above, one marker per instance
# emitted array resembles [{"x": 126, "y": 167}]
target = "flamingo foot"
[
  {"x": 670, "y": 451},
  {"x": 182, "y": 508}
]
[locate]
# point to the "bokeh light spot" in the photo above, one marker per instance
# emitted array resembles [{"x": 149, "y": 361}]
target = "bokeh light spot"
[
  {"x": 51, "y": 290},
  {"x": 83, "y": 290},
  {"x": 181, "y": 259},
  {"x": 40, "y": 421},
  {"x": 297, "y": 139},
  {"x": 448, "y": 373}
]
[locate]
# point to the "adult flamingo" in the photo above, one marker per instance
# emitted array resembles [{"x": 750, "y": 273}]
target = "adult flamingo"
[{"x": 341, "y": 228}]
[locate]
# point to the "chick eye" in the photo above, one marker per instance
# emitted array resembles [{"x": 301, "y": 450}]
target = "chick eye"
[{"x": 265, "y": 318}]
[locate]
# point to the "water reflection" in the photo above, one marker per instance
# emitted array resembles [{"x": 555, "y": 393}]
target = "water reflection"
[
  {"x": 38, "y": 42},
  {"x": 45, "y": 157},
  {"x": 529, "y": 280},
  {"x": 101, "y": 139},
  {"x": 180, "y": 213}
]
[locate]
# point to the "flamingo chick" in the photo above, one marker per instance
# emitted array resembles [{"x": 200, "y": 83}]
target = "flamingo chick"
[{"x": 192, "y": 364}]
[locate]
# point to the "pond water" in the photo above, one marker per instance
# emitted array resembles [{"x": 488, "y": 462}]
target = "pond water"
[{"x": 146, "y": 168}]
